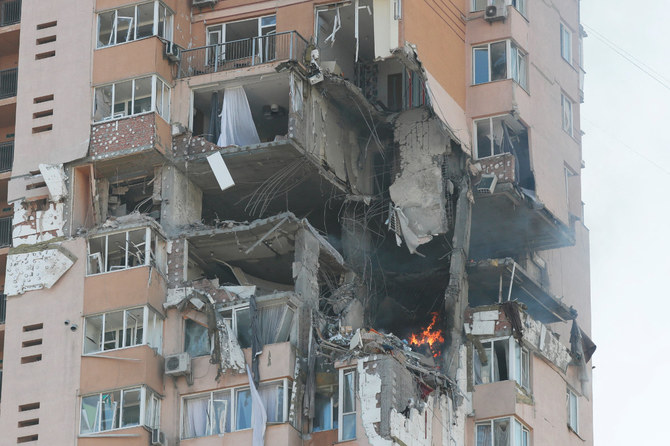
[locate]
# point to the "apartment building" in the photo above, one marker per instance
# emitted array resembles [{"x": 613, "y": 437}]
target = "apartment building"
[{"x": 293, "y": 222}]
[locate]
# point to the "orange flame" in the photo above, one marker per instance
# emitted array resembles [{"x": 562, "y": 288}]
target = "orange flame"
[{"x": 429, "y": 336}]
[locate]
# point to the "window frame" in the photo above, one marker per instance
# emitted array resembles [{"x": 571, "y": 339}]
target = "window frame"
[
  {"x": 151, "y": 255},
  {"x": 334, "y": 405},
  {"x": 231, "y": 313},
  {"x": 515, "y": 362},
  {"x": 514, "y": 424},
  {"x": 341, "y": 413},
  {"x": 567, "y": 114},
  {"x": 149, "y": 315},
  {"x": 233, "y": 392},
  {"x": 156, "y": 81},
  {"x": 569, "y": 398},
  {"x": 521, "y": 6},
  {"x": 158, "y": 7},
  {"x": 566, "y": 43},
  {"x": 473, "y": 6},
  {"x": 512, "y": 64},
  {"x": 475, "y": 139},
  {"x": 154, "y": 398}
]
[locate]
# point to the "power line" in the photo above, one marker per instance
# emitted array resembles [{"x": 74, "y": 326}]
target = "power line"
[
  {"x": 630, "y": 58},
  {"x": 641, "y": 155}
]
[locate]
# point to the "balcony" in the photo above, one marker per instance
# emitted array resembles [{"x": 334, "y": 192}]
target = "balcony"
[
  {"x": 8, "y": 82},
  {"x": 286, "y": 46},
  {"x": 10, "y": 12},
  {"x": 3, "y": 308},
  {"x": 6, "y": 156}
]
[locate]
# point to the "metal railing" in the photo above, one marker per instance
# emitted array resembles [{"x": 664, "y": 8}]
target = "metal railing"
[
  {"x": 8, "y": 81},
  {"x": 6, "y": 156},
  {"x": 10, "y": 12},
  {"x": 242, "y": 53},
  {"x": 3, "y": 310},
  {"x": 5, "y": 232}
]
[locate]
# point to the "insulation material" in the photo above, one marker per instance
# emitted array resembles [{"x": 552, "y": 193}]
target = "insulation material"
[
  {"x": 449, "y": 112},
  {"x": 37, "y": 269},
  {"x": 412, "y": 239},
  {"x": 414, "y": 429},
  {"x": 385, "y": 28},
  {"x": 237, "y": 124},
  {"x": 220, "y": 170},
  {"x": 369, "y": 386},
  {"x": 54, "y": 176},
  {"x": 33, "y": 225},
  {"x": 227, "y": 352}
]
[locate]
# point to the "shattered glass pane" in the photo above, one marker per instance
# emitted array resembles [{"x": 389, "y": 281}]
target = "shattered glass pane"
[{"x": 196, "y": 339}]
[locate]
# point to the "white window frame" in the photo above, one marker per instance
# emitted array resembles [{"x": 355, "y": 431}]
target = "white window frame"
[
  {"x": 567, "y": 114},
  {"x": 150, "y": 255},
  {"x": 144, "y": 392},
  {"x": 233, "y": 392},
  {"x": 334, "y": 402},
  {"x": 150, "y": 317},
  {"x": 515, "y": 427},
  {"x": 231, "y": 313},
  {"x": 341, "y": 413},
  {"x": 473, "y": 6},
  {"x": 132, "y": 30},
  {"x": 566, "y": 43},
  {"x": 520, "y": 5},
  {"x": 515, "y": 58},
  {"x": 515, "y": 361},
  {"x": 475, "y": 139},
  {"x": 156, "y": 81},
  {"x": 573, "y": 418}
]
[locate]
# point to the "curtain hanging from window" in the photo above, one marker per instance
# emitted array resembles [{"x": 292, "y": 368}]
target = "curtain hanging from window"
[{"x": 237, "y": 124}]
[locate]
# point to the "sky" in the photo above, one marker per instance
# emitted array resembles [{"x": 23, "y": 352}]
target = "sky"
[{"x": 626, "y": 188}]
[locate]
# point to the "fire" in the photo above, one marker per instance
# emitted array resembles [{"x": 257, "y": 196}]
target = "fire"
[{"x": 429, "y": 336}]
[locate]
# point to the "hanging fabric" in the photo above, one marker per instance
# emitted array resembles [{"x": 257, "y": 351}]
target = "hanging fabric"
[
  {"x": 214, "y": 123},
  {"x": 237, "y": 124},
  {"x": 258, "y": 414}
]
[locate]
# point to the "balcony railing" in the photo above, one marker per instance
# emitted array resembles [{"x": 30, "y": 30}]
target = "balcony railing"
[
  {"x": 242, "y": 53},
  {"x": 10, "y": 12},
  {"x": 3, "y": 310},
  {"x": 8, "y": 81},
  {"x": 5, "y": 232},
  {"x": 6, "y": 156}
]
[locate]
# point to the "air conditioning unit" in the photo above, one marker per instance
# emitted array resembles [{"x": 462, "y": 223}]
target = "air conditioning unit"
[
  {"x": 172, "y": 51},
  {"x": 157, "y": 437},
  {"x": 202, "y": 3},
  {"x": 178, "y": 365},
  {"x": 497, "y": 10},
  {"x": 487, "y": 184}
]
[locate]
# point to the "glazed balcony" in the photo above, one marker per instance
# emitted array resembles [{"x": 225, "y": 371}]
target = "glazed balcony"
[
  {"x": 274, "y": 48},
  {"x": 6, "y": 156},
  {"x": 10, "y": 12},
  {"x": 5, "y": 232},
  {"x": 8, "y": 82},
  {"x": 3, "y": 308}
]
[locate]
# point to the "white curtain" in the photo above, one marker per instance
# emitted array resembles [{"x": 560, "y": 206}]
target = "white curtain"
[
  {"x": 258, "y": 415},
  {"x": 237, "y": 124},
  {"x": 269, "y": 319},
  {"x": 196, "y": 417},
  {"x": 270, "y": 397}
]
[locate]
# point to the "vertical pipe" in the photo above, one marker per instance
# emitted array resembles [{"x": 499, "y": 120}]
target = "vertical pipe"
[{"x": 511, "y": 281}]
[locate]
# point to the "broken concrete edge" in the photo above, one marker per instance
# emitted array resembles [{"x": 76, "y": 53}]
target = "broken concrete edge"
[
  {"x": 40, "y": 246},
  {"x": 132, "y": 220},
  {"x": 30, "y": 270}
]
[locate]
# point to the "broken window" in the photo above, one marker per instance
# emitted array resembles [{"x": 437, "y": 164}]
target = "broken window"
[
  {"x": 500, "y": 365},
  {"x": 415, "y": 90},
  {"x": 490, "y": 63},
  {"x": 275, "y": 323},
  {"x": 196, "y": 339},
  {"x": 572, "y": 404},
  {"x": 566, "y": 43},
  {"x": 134, "y": 22},
  {"x": 325, "y": 414},
  {"x": 498, "y": 432},
  {"x": 500, "y": 134},
  {"x": 347, "y": 422},
  {"x": 118, "y": 409},
  {"x": 124, "y": 328},
  {"x": 566, "y": 108},
  {"x": 123, "y": 250},
  {"x": 216, "y": 413},
  {"x": 132, "y": 97}
]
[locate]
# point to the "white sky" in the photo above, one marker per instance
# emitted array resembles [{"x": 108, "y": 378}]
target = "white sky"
[{"x": 628, "y": 213}]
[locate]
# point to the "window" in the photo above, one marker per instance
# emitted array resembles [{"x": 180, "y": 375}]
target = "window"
[
  {"x": 520, "y": 5},
  {"x": 325, "y": 414},
  {"x": 232, "y": 41},
  {"x": 134, "y": 22},
  {"x": 490, "y": 63},
  {"x": 497, "y": 432},
  {"x": 500, "y": 365},
  {"x": 572, "y": 403},
  {"x": 123, "y": 250},
  {"x": 132, "y": 97},
  {"x": 566, "y": 107},
  {"x": 478, "y": 5},
  {"x": 499, "y": 134},
  {"x": 121, "y": 329},
  {"x": 347, "y": 396},
  {"x": 415, "y": 90},
  {"x": 275, "y": 323},
  {"x": 222, "y": 411},
  {"x": 119, "y": 409},
  {"x": 566, "y": 43},
  {"x": 196, "y": 339}
]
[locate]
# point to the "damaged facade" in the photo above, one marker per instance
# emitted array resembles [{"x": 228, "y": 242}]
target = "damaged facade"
[{"x": 295, "y": 222}]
